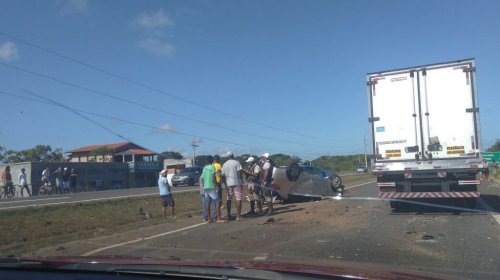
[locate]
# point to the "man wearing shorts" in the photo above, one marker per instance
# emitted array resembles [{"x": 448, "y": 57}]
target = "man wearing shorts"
[
  {"x": 231, "y": 172},
  {"x": 165, "y": 194},
  {"x": 210, "y": 194}
]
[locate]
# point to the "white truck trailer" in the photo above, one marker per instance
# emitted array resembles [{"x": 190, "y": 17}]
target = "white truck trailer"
[{"x": 425, "y": 132}]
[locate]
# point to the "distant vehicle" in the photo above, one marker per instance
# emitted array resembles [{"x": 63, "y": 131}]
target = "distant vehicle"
[
  {"x": 304, "y": 180},
  {"x": 187, "y": 176},
  {"x": 361, "y": 168},
  {"x": 425, "y": 132}
]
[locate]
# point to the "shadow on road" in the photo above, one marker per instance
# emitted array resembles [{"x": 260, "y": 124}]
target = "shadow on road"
[
  {"x": 493, "y": 201},
  {"x": 443, "y": 207}
]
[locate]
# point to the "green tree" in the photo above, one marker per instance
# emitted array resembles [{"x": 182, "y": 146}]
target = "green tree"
[
  {"x": 495, "y": 147},
  {"x": 281, "y": 159},
  {"x": 103, "y": 151},
  {"x": 40, "y": 153}
]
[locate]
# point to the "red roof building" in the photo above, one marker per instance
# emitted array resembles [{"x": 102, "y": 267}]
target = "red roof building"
[{"x": 117, "y": 152}]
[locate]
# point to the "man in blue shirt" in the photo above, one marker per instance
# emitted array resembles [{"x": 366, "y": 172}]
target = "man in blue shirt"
[{"x": 166, "y": 196}]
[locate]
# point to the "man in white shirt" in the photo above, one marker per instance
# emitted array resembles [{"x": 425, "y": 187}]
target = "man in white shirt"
[
  {"x": 231, "y": 172},
  {"x": 23, "y": 182}
]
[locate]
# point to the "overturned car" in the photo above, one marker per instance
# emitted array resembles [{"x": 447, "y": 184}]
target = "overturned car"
[{"x": 304, "y": 180}]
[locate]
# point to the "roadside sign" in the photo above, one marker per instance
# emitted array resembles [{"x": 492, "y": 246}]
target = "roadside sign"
[{"x": 490, "y": 156}]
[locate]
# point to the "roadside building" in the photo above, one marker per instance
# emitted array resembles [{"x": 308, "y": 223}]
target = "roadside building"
[{"x": 100, "y": 167}]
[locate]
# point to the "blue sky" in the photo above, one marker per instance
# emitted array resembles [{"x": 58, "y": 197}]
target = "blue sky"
[{"x": 247, "y": 76}]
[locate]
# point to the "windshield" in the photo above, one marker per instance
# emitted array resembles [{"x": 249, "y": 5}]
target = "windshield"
[{"x": 321, "y": 132}]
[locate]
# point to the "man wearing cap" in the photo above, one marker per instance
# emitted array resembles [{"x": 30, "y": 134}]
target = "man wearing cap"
[
  {"x": 231, "y": 172},
  {"x": 165, "y": 194},
  {"x": 266, "y": 179},
  {"x": 252, "y": 173}
]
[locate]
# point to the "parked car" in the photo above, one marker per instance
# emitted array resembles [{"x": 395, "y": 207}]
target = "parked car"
[
  {"x": 304, "y": 180},
  {"x": 188, "y": 176},
  {"x": 361, "y": 168}
]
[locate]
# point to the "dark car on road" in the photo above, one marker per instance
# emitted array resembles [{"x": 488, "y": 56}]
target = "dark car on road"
[{"x": 188, "y": 176}]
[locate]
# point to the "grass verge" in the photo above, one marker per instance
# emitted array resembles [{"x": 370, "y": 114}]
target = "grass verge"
[{"x": 24, "y": 230}]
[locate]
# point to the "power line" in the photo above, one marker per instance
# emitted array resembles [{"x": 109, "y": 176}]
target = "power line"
[
  {"x": 76, "y": 113},
  {"x": 147, "y": 106},
  {"x": 53, "y": 103},
  {"x": 93, "y": 67}
]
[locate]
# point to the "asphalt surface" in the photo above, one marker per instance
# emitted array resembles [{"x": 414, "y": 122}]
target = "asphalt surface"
[
  {"x": 358, "y": 228},
  {"x": 45, "y": 200}
]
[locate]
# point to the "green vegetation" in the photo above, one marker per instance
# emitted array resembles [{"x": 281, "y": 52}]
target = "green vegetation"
[
  {"x": 495, "y": 147},
  {"x": 38, "y": 153},
  {"x": 24, "y": 230},
  {"x": 334, "y": 163},
  {"x": 339, "y": 163}
]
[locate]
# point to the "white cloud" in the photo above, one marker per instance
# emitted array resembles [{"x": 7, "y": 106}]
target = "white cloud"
[
  {"x": 153, "y": 22},
  {"x": 68, "y": 7},
  {"x": 164, "y": 128},
  {"x": 156, "y": 47},
  {"x": 8, "y": 51}
]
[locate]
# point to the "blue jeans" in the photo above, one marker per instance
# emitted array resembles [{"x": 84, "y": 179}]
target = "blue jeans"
[{"x": 213, "y": 209}]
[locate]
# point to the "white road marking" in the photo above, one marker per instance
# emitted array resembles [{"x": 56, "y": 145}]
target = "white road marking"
[
  {"x": 359, "y": 185},
  {"x": 140, "y": 239},
  {"x": 40, "y": 199},
  {"x": 261, "y": 258}
]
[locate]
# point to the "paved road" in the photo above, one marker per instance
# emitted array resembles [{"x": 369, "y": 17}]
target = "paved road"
[
  {"x": 44, "y": 200},
  {"x": 358, "y": 228}
]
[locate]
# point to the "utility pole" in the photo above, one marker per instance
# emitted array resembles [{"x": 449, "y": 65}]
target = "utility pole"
[{"x": 194, "y": 145}]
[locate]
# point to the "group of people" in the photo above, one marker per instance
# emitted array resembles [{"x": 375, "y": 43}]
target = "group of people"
[
  {"x": 65, "y": 179},
  {"x": 257, "y": 177},
  {"x": 8, "y": 189}
]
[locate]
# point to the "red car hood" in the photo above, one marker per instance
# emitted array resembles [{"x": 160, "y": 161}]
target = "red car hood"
[{"x": 306, "y": 267}]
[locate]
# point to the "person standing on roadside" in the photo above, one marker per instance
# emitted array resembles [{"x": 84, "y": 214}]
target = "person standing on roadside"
[
  {"x": 218, "y": 183},
  {"x": 59, "y": 181},
  {"x": 231, "y": 172},
  {"x": 266, "y": 181},
  {"x": 165, "y": 195},
  {"x": 72, "y": 180},
  {"x": 46, "y": 177},
  {"x": 210, "y": 195},
  {"x": 252, "y": 174},
  {"x": 23, "y": 182},
  {"x": 486, "y": 171},
  {"x": 65, "y": 177},
  {"x": 7, "y": 181}
]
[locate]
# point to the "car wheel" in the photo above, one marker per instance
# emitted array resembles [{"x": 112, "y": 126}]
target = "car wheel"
[
  {"x": 293, "y": 172},
  {"x": 335, "y": 182},
  {"x": 191, "y": 182}
]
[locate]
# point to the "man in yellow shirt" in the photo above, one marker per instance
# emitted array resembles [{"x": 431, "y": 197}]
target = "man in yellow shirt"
[{"x": 218, "y": 182}]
